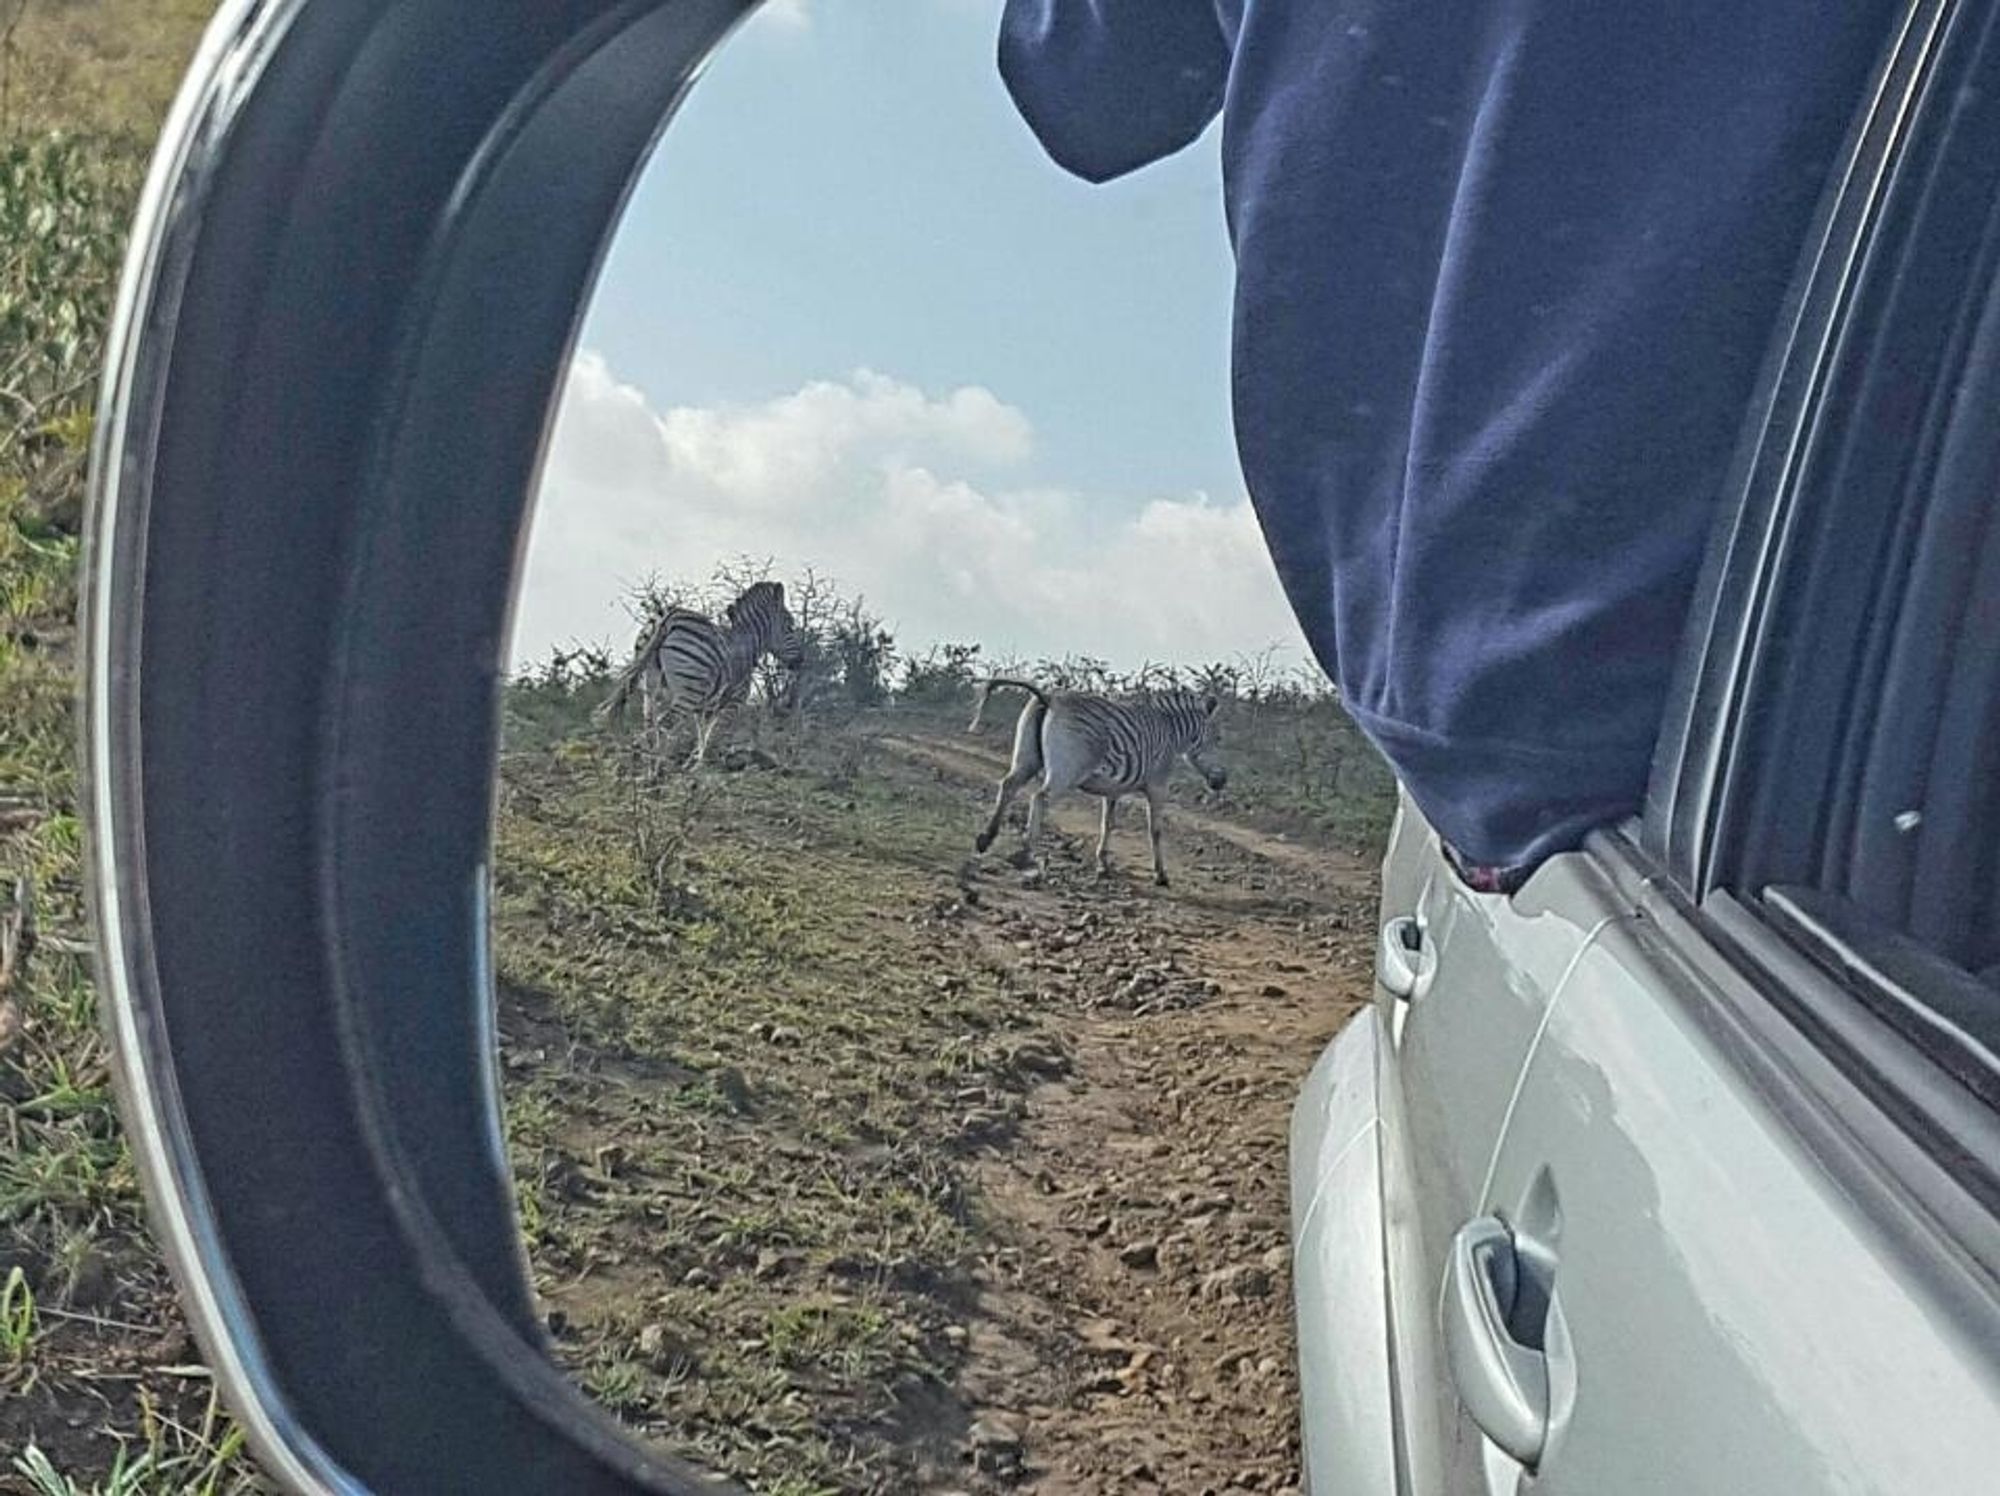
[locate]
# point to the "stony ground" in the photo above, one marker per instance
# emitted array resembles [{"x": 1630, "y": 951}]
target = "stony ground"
[{"x": 854, "y": 1163}]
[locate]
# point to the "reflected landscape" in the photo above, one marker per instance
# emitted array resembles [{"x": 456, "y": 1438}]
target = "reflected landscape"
[{"x": 852, "y": 1157}]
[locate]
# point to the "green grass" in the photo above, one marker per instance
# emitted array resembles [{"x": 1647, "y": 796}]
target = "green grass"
[
  {"x": 733, "y": 962},
  {"x": 202, "y": 1457},
  {"x": 85, "y": 1310},
  {"x": 17, "y": 1317},
  {"x": 108, "y": 66}
]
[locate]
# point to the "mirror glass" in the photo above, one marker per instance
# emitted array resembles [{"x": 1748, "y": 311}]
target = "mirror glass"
[{"x": 852, "y": 1157}]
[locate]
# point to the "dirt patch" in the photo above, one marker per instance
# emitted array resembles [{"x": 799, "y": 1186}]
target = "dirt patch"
[
  {"x": 1135, "y": 1327},
  {"x": 854, "y": 1162}
]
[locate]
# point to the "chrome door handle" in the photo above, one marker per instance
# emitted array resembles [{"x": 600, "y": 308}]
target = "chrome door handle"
[
  {"x": 1502, "y": 1381},
  {"x": 1403, "y": 961}
]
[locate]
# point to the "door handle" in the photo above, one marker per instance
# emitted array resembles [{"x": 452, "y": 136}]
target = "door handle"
[
  {"x": 1403, "y": 960},
  {"x": 1496, "y": 1299}
]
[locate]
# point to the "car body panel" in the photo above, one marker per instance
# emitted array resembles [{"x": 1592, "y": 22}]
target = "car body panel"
[
  {"x": 1447, "y": 1058},
  {"x": 1337, "y": 1266},
  {"x": 1737, "y": 1320},
  {"x": 1498, "y": 964}
]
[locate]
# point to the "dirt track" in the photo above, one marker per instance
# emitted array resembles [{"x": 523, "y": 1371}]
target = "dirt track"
[
  {"x": 1136, "y": 1316},
  {"x": 852, "y": 1161}
]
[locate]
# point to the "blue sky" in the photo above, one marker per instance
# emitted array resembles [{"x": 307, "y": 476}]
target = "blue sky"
[{"x": 854, "y": 317}]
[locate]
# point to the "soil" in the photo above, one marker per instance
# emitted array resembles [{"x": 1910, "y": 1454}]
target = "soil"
[
  {"x": 1122, "y": 1319},
  {"x": 1135, "y": 1325}
]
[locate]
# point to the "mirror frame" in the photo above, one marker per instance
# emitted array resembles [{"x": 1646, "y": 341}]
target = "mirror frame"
[{"x": 351, "y": 293}]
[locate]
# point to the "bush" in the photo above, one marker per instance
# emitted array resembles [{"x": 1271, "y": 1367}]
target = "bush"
[
  {"x": 63, "y": 203},
  {"x": 940, "y": 676}
]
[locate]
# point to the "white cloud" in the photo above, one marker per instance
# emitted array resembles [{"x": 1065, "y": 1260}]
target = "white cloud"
[{"x": 898, "y": 494}]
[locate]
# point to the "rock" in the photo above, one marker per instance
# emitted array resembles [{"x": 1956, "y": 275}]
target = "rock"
[
  {"x": 699, "y": 1277},
  {"x": 1271, "y": 989},
  {"x": 995, "y": 1445},
  {"x": 1039, "y": 1057},
  {"x": 984, "y": 1124},
  {"x": 1132, "y": 1377},
  {"x": 92, "y": 1283},
  {"x": 1140, "y": 1254},
  {"x": 733, "y": 1088},
  {"x": 663, "y": 1350},
  {"x": 1246, "y": 1280},
  {"x": 175, "y": 1348},
  {"x": 1143, "y": 981},
  {"x": 1277, "y": 1259}
]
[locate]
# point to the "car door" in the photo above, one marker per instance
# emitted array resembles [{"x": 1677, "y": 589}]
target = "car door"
[
  {"x": 1393, "y": 1138},
  {"x": 1740, "y": 1233},
  {"x": 1462, "y": 1024}
]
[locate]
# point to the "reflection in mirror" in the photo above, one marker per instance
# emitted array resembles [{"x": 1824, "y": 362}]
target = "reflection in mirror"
[{"x": 851, "y": 1157}]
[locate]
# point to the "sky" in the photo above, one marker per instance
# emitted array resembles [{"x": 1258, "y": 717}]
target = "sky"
[{"x": 855, "y": 319}]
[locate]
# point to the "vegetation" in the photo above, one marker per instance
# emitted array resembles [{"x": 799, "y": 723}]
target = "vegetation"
[
  {"x": 100, "y": 1388},
  {"x": 700, "y": 976},
  {"x": 1297, "y": 762},
  {"x": 756, "y": 1033}
]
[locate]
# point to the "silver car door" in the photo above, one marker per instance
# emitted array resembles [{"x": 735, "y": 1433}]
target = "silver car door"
[
  {"x": 1464, "y": 983},
  {"x": 1742, "y": 1233},
  {"x": 1666, "y": 1290}
]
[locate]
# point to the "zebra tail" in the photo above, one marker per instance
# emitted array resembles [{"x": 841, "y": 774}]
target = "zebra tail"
[
  {"x": 628, "y": 681},
  {"x": 613, "y": 705},
  {"x": 986, "y": 689}
]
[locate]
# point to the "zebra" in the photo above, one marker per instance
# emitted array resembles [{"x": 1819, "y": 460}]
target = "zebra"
[
  {"x": 1104, "y": 748},
  {"x": 690, "y": 664}
]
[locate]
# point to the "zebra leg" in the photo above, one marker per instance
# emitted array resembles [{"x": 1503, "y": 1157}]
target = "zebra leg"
[
  {"x": 1025, "y": 765},
  {"x": 1154, "y": 816},
  {"x": 1009, "y": 788},
  {"x": 657, "y": 722},
  {"x": 1037, "y": 799},
  {"x": 1104, "y": 835},
  {"x": 650, "y": 710},
  {"x": 704, "y": 729}
]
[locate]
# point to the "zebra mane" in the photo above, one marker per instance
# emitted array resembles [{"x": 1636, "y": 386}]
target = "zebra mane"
[
  {"x": 1186, "y": 696},
  {"x": 758, "y": 596}
]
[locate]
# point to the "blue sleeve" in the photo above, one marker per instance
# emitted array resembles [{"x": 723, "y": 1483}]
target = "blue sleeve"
[{"x": 1111, "y": 85}]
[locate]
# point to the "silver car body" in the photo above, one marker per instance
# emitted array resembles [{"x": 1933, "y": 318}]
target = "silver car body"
[{"x": 1725, "y": 1317}]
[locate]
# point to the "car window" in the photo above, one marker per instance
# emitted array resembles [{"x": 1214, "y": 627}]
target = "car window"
[{"x": 1857, "y": 813}]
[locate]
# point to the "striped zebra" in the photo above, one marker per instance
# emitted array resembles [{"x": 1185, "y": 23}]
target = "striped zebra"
[
  {"x": 1104, "y": 748},
  {"x": 691, "y": 665}
]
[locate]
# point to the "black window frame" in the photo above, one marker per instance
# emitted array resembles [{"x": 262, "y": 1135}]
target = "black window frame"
[{"x": 1833, "y": 1012}]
